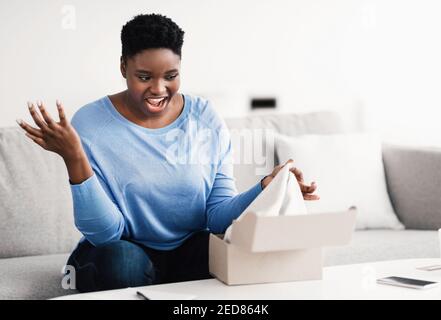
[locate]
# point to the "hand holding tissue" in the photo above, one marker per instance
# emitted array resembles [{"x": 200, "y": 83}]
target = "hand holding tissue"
[
  {"x": 281, "y": 197},
  {"x": 275, "y": 239}
]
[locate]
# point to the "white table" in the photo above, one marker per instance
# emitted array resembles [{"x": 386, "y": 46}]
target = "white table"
[{"x": 356, "y": 281}]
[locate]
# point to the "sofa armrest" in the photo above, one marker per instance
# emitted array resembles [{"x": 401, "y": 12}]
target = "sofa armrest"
[{"x": 413, "y": 178}]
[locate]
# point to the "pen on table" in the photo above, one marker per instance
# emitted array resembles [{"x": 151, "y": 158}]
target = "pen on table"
[{"x": 142, "y": 295}]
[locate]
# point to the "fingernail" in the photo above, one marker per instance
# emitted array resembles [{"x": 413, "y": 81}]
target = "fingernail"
[
  {"x": 57, "y": 102},
  {"x": 19, "y": 121},
  {"x": 39, "y": 103},
  {"x": 29, "y": 105}
]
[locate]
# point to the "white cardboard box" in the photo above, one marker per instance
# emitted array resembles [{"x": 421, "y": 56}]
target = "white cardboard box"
[{"x": 278, "y": 248}]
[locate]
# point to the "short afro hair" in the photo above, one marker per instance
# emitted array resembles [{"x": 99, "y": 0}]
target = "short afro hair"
[{"x": 150, "y": 31}]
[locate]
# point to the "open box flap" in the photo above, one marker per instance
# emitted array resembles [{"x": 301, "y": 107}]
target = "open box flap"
[{"x": 278, "y": 233}]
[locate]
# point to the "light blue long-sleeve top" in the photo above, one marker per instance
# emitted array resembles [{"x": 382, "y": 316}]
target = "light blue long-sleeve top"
[{"x": 156, "y": 187}]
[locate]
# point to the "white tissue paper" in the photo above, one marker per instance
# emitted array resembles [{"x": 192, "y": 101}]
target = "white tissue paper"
[{"x": 281, "y": 197}]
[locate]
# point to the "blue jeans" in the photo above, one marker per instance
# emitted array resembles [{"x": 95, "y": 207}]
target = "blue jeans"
[{"x": 122, "y": 264}]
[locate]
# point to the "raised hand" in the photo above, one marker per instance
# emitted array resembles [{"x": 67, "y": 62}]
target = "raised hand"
[{"x": 59, "y": 137}]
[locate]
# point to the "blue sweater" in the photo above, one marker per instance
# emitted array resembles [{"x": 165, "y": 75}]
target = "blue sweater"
[{"x": 155, "y": 187}]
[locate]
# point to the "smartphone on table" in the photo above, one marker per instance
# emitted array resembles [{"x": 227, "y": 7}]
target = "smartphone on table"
[{"x": 408, "y": 282}]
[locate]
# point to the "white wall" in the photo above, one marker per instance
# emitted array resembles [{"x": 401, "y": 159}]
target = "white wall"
[{"x": 311, "y": 54}]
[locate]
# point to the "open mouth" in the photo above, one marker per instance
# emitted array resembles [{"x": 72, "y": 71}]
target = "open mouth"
[{"x": 156, "y": 103}]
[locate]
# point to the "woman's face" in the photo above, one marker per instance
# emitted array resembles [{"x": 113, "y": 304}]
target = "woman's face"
[{"x": 152, "y": 80}]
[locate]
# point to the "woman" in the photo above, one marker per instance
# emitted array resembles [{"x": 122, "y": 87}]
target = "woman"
[{"x": 150, "y": 169}]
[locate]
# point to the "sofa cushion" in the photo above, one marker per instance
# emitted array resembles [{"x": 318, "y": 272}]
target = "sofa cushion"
[
  {"x": 35, "y": 200},
  {"x": 253, "y": 143},
  {"x": 414, "y": 179},
  {"x": 36, "y": 277},
  {"x": 348, "y": 169},
  {"x": 378, "y": 245}
]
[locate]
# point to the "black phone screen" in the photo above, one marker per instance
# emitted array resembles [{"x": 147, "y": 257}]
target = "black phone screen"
[{"x": 409, "y": 281}]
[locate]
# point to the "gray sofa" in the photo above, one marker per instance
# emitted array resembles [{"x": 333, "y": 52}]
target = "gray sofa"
[{"x": 37, "y": 230}]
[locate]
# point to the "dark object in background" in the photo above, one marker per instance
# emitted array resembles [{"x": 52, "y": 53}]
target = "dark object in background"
[{"x": 263, "y": 103}]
